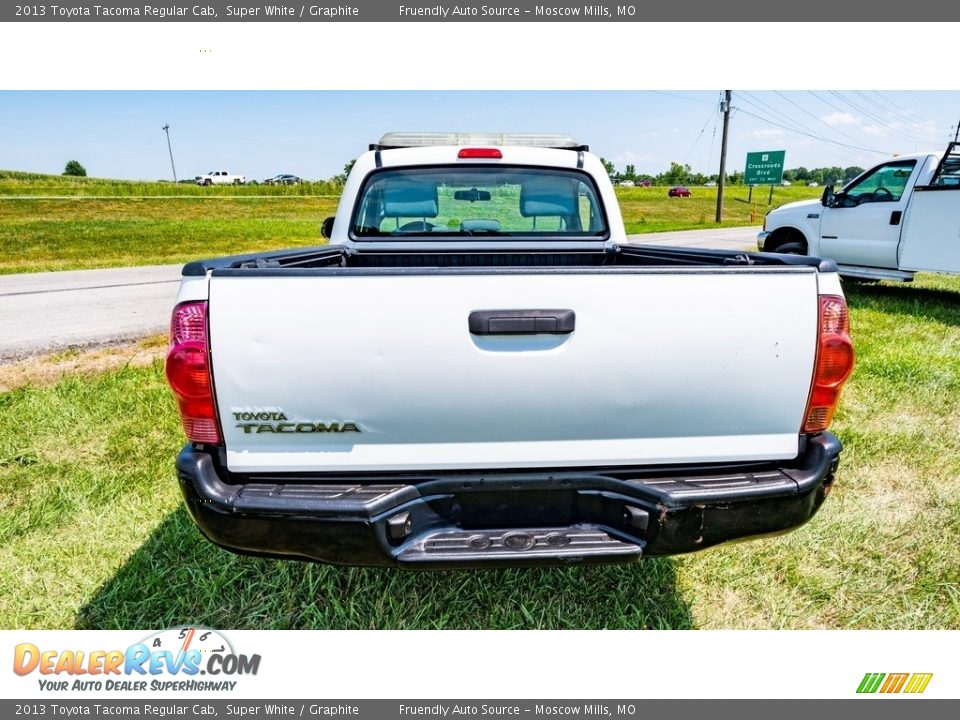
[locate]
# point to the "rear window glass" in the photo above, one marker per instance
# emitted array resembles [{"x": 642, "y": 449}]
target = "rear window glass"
[{"x": 471, "y": 201}]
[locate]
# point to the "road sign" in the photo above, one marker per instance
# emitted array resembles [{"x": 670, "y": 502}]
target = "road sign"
[{"x": 764, "y": 168}]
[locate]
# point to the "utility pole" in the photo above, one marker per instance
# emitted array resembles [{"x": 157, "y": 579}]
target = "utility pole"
[
  {"x": 166, "y": 129},
  {"x": 725, "y": 106}
]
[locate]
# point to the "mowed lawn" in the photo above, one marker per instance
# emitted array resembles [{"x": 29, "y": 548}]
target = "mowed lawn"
[
  {"x": 50, "y": 223},
  {"x": 95, "y": 232},
  {"x": 93, "y": 533}
]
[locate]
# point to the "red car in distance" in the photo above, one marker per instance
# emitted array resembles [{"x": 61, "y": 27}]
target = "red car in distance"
[{"x": 679, "y": 191}]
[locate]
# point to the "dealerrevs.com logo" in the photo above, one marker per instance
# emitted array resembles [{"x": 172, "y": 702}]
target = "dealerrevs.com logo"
[{"x": 179, "y": 659}]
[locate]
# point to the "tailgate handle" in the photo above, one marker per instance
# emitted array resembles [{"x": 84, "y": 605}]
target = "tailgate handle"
[{"x": 522, "y": 322}]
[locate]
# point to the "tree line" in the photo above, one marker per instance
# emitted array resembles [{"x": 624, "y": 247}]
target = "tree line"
[{"x": 680, "y": 174}]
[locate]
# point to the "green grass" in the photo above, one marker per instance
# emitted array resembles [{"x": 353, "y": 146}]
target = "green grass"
[
  {"x": 56, "y": 223},
  {"x": 651, "y": 210},
  {"x": 69, "y": 234},
  {"x": 27, "y": 184},
  {"x": 93, "y": 533}
]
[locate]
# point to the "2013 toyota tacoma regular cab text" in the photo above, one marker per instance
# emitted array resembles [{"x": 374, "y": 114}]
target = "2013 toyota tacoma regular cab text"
[{"x": 479, "y": 370}]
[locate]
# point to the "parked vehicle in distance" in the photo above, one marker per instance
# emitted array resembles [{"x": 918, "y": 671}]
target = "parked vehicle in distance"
[
  {"x": 220, "y": 177},
  {"x": 536, "y": 390},
  {"x": 644, "y": 183},
  {"x": 892, "y": 221},
  {"x": 678, "y": 191},
  {"x": 785, "y": 183},
  {"x": 626, "y": 183},
  {"x": 710, "y": 183},
  {"x": 283, "y": 179}
]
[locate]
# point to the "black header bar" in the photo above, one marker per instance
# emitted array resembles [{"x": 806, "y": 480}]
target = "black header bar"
[{"x": 493, "y": 11}]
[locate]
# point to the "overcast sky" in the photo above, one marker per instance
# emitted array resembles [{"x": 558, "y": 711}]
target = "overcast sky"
[{"x": 313, "y": 133}]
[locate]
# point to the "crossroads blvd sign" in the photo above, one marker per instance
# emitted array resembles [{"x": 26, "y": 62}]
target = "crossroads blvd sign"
[{"x": 764, "y": 168}]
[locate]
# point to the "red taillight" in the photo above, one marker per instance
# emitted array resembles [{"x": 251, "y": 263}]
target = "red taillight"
[
  {"x": 833, "y": 365},
  {"x": 488, "y": 153},
  {"x": 188, "y": 372}
]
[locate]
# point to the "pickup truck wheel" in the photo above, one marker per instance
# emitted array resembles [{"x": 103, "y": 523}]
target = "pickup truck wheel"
[
  {"x": 786, "y": 241},
  {"x": 791, "y": 248}
]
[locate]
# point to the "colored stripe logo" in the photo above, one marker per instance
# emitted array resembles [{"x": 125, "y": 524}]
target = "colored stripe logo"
[{"x": 913, "y": 683}]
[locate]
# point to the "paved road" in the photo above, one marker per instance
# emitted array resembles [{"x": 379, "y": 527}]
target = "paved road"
[
  {"x": 46, "y": 312},
  {"x": 736, "y": 238}
]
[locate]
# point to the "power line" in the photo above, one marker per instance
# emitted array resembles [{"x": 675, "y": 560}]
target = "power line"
[
  {"x": 710, "y": 117},
  {"x": 891, "y": 103},
  {"x": 884, "y": 124},
  {"x": 910, "y": 126},
  {"x": 846, "y": 111},
  {"x": 814, "y": 136},
  {"x": 819, "y": 119},
  {"x": 777, "y": 115},
  {"x": 713, "y": 141},
  {"x": 887, "y": 99},
  {"x": 923, "y": 97},
  {"x": 876, "y": 104},
  {"x": 269, "y": 142},
  {"x": 682, "y": 97},
  {"x": 796, "y": 127}
]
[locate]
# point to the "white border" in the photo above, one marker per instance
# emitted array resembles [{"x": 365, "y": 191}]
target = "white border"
[
  {"x": 541, "y": 56},
  {"x": 672, "y": 56},
  {"x": 370, "y": 664}
]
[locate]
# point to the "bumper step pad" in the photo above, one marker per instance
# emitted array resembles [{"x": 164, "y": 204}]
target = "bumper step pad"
[{"x": 577, "y": 544}]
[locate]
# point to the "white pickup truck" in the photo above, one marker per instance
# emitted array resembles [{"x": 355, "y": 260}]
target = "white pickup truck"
[
  {"x": 479, "y": 370},
  {"x": 898, "y": 218},
  {"x": 220, "y": 177}
]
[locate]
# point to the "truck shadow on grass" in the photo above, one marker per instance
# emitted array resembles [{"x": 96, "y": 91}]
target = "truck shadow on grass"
[
  {"x": 176, "y": 578},
  {"x": 937, "y": 304}
]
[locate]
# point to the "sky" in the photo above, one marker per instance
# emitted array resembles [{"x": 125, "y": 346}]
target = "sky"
[{"x": 312, "y": 134}]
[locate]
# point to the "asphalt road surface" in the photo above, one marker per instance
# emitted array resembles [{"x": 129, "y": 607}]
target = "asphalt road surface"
[
  {"x": 736, "y": 238},
  {"x": 47, "y": 312}
]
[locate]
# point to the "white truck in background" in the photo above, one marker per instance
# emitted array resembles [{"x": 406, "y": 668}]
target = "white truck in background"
[
  {"x": 221, "y": 177},
  {"x": 897, "y": 218},
  {"x": 479, "y": 370}
]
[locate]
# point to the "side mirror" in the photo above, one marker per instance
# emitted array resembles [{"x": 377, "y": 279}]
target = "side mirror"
[
  {"x": 827, "y": 198},
  {"x": 326, "y": 229}
]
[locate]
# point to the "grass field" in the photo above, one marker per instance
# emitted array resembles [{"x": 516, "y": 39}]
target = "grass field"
[
  {"x": 93, "y": 533},
  {"x": 55, "y": 223},
  {"x": 80, "y": 233}
]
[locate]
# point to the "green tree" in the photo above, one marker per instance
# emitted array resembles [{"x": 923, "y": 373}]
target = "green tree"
[
  {"x": 630, "y": 172},
  {"x": 609, "y": 166},
  {"x": 677, "y": 175},
  {"x": 833, "y": 175},
  {"x": 75, "y": 169},
  {"x": 342, "y": 177},
  {"x": 851, "y": 172}
]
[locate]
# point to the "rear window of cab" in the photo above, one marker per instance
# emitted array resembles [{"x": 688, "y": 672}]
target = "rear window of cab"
[{"x": 470, "y": 201}]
